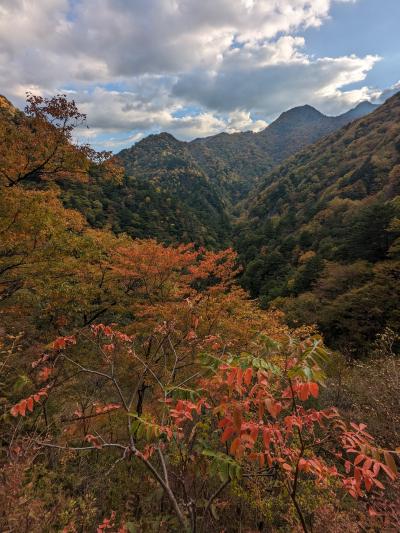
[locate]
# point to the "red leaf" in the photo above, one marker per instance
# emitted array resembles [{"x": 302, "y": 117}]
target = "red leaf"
[
  {"x": 29, "y": 403},
  {"x": 239, "y": 377},
  {"x": 234, "y": 445},
  {"x": 266, "y": 438},
  {"x": 254, "y": 433},
  {"x": 388, "y": 472},
  {"x": 224, "y": 422},
  {"x": 248, "y": 376},
  {"x": 274, "y": 408},
  {"x": 237, "y": 417},
  {"x": 61, "y": 342},
  {"x": 109, "y": 347},
  {"x": 379, "y": 484},
  {"x": 359, "y": 459},
  {"x": 357, "y": 476},
  {"x": 391, "y": 463},
  {"x": 227, "y": 434},
  {"x": 45, "y": 373},
  {"x": 93, "y": 440},
  {"x": 231, "y": 377},
  {"x": 22, "y": 407},
  {"x": 314, "y": 389},
  {"x": 303, "y": 392}
]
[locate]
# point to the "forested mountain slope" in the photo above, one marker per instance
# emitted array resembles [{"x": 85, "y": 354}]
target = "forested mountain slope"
[
  {"x": 320, "y": 235},
  {"x": 241, "y": 158},
  {"x": 187, "y": 192},
  {"x": 164, "y": 194}
]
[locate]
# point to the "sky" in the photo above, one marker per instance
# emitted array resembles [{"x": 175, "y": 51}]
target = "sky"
[{"x": 197, "y": 67}]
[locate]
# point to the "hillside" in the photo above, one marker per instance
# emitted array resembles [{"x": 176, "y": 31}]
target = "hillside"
[
  {"x": 164, "y": 194},
  {"x": 7, "y": 110},
  {"x": 187, "y": 192},
  {"x": 231, "y": 163},
  {"x": 241, "y": 158},
  {"x": 320, "y": 235}
]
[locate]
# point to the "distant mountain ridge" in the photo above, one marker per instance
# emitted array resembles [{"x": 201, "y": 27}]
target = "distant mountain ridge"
[
  {"x": 191, "y": 191},
  {"x": 178, "y": 191},
  {"x": 302, "y": 126},
  {"x": 234, "y": 161}
]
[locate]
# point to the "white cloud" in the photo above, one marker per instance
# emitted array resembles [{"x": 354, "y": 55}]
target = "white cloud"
[
  {"x": 111, "y": 112},
  {"x": 242, "y": 121},
  {"x": 271, "y": 79},
  {"x": 381, "y": 96},
  {"x": 187, "y": 66}
]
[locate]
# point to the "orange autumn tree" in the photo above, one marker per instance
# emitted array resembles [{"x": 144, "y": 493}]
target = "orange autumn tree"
[
  {"x": 45, "y": 248},
  {"x": 191, "y": 389},
  {"x": 54, "y": 269},
  {"x": 38, "y": 145}
]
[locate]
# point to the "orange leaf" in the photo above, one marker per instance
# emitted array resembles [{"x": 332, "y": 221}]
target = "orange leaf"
[
  {"x": 248, "y": 376},
  {"x": 29, "y": 403},
  {"x": 314, "y": 389},
  {"x": 227, "y": 434},
  {"x": 22, "y": 407},
  {"x": 234, "y": 445}
]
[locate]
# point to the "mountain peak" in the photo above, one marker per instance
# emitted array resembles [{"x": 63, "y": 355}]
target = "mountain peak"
[
  {"x": 303, "y": 112},
  {"x": 165, "y": 136},
  {"x": 363, "y": 108},
  {"x": 162, "y": 140},
  {"x": 365, "y": 105}
]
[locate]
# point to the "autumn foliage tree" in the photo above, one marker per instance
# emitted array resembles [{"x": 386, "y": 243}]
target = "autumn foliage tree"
[{"x": 38, "y": 144}]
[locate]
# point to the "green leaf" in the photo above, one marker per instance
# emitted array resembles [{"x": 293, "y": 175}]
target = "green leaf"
[
  {"x": 21, "y": 382},
  {"x": 224, "y": 472},
  {"x": 214, "y": 513}
]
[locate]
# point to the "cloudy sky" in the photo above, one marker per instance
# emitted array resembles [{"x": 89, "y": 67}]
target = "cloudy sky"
[{"x": 197, "y": 67}]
